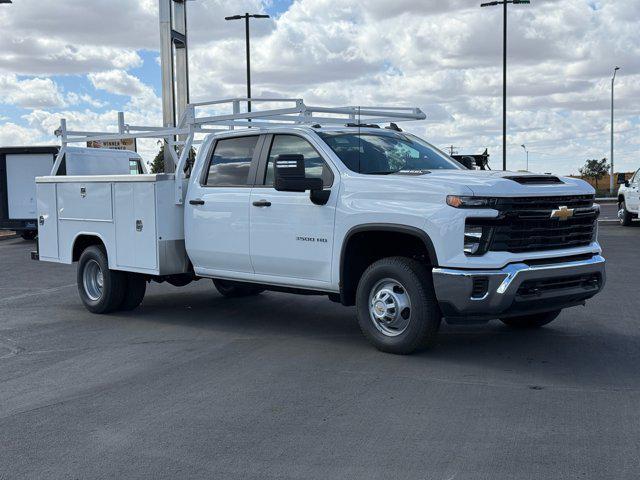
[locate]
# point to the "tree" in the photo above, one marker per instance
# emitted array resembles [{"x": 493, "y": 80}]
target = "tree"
[
  {"x": 595, "y": 169},
  {"x": 157, "y": 166}
]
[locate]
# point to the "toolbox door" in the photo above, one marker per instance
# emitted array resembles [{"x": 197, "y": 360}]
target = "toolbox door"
[
  {"x": 47, "y": 221},
  {"x": 136, "y": 242}
]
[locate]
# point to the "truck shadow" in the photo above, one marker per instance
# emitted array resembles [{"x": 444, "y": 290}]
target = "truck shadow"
[{"x": 573, "y": 352}]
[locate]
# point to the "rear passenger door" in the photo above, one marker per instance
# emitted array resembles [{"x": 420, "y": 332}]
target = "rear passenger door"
[
  {"x": 291, "y": 237},
  {"x": 217, "y": 207}
]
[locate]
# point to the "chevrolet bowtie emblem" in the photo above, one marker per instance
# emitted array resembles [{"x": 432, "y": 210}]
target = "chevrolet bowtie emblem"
[{"x": 562, "y": 213}]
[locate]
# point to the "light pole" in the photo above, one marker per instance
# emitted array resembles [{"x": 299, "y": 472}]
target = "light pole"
[
  {"x": 611, "y": 176},
  {"x": 527, "y": 151},
  {"x": 246, "y": 17},
  {"x": 504, "y": 70}
]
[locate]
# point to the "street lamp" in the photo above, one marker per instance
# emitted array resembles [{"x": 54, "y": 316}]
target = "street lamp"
[
  {"x": 504, "y": 70},
  {"x": 246, "y": 17},
  {"x": 527, "y": 151},
  {"x": 611, "y": 176}
]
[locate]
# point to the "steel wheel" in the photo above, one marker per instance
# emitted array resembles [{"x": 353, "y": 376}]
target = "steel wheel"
[
  {"x": 93, "y": 280},
  {"x": 390, "y": 307}
]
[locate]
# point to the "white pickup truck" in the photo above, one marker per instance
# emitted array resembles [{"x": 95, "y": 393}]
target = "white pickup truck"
[
  {"x": 629, "y": 199},
  {"x": 371, "y": 217}
]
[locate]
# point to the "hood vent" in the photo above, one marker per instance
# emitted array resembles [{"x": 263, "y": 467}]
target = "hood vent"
[{"x": 535, "y": 179}]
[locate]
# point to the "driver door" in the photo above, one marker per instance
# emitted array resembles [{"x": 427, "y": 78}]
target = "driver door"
[{"x": 291, "y": 237}]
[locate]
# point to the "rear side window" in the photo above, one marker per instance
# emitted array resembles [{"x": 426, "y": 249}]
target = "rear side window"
[{"x": 231, "y": 161}]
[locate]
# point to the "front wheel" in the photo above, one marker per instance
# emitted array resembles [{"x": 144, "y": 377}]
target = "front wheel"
[
  {"x": 101, "y": 290},
  {"x": 396, "y": 305},
  {"x": 624, "y": 215},
  {"x": 535, "y": 320}
]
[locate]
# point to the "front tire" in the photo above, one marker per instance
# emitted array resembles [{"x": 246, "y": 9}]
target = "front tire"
[
  {"x": 234, "y": 290},
  {"x": 535, "y": 320},
  {"x": 101, "y": 290},
  {"x": 624, "y": 215},
  {"x": 396, "y": 305}
]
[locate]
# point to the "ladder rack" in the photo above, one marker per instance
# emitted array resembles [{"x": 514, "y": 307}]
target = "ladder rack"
[{"x": 209, "y": 117}]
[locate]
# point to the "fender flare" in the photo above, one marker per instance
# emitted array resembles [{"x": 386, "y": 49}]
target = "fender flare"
[{"x": 387, "y": 227}]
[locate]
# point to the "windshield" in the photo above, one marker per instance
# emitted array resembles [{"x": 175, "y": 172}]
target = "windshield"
[{"x": 387, "y": 153}]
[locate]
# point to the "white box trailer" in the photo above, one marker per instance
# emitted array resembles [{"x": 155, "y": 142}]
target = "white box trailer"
[
  {"x": 19, "y": 166},
  {"x": 135, "y": 216}
]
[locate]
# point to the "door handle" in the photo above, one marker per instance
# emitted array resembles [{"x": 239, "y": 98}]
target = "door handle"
[
  {"x": 197, "y": 201},
  {"x": 262, "y": 203}
]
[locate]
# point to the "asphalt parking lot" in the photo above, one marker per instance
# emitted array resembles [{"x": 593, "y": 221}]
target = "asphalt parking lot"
[{"x": 192, "y": 385}]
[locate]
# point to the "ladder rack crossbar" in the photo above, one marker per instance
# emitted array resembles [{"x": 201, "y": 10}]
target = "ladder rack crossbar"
[{"x": 298, "y": 114}]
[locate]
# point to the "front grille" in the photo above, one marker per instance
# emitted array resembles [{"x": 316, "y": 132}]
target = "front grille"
[
  {"x": 533, "y": 288},
  {"x": 525, "y": 224}
]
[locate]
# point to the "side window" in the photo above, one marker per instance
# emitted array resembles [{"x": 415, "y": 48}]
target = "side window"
[
  {"x": 135, "y": 168},
  {"x": 635, "y": 177},
  {"x": 231, "y": 161},
  {"x": 314, "y": 165}
]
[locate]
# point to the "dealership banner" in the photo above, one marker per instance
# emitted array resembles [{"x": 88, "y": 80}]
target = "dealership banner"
[{"x": 124, "y": 144}]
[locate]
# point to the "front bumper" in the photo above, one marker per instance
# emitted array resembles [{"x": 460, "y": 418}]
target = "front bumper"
[{"x": 519, "y": 288}]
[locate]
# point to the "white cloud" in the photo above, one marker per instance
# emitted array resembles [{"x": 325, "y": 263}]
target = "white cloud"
[
  {"x": 118, "y": 82},
  {"x": 29, "y": 93},
  {"x": 16, "y": 135},
  {"x": 74, "y": 98}
]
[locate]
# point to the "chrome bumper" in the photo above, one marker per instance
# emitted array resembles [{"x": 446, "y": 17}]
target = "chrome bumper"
[{"x": 512, "y": 290}]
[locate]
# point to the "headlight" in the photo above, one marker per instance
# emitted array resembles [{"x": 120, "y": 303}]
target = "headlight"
[
  {"x": 458, "y": 201},
  {"x": 476, "y": 239}
]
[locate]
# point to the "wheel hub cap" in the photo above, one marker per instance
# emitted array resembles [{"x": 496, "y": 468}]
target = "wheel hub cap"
[
  {"x": 390, "y": 307},
  {"x": 93, "y": 280}
]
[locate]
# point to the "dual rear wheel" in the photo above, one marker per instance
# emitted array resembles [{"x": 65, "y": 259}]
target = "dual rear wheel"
[{"x": 103, "y": 290}]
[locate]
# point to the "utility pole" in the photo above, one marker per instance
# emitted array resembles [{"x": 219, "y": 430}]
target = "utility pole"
[
  {"x": 527, "y": 151},
  {"x": 452, "y": 150},
  {"x": 174, "y": 67},
  {"x": 246, "y": 18},
  {"x": 611, "y": 176},
  {"x": 504, "y": 70}
]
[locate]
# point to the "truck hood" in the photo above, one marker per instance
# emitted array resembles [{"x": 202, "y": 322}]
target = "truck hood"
[{"x": 484, "y": 183}]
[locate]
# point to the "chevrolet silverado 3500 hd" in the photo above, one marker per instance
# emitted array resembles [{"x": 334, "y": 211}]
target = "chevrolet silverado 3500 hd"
[{"x": 372, "y": 217}]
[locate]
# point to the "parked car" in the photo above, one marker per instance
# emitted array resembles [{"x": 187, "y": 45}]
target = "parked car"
[{"x": 629, "y": 199}]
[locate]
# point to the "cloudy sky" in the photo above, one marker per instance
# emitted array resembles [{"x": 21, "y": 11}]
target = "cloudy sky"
[{"x": 87, "y": 59}]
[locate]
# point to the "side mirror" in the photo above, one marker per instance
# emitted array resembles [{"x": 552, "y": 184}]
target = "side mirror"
[
  {"x": 290, "y": 177},
  {"x": 468, "y": 162},
  {"x": 622, "y": 180}
]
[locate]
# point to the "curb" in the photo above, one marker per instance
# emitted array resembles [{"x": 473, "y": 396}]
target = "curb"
[{"x": 9, "y": 236}]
